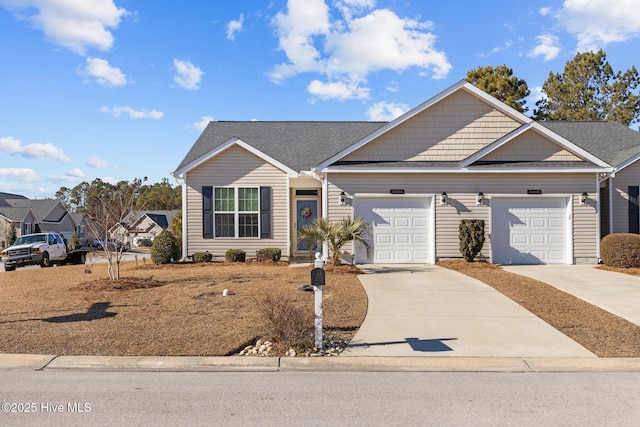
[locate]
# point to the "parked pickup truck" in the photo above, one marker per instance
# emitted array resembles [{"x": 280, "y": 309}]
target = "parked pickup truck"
[{"x": 44, "y": 249}]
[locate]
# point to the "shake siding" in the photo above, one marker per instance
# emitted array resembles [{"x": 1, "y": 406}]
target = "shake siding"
[
  {"x": 451, "y": 129},
  {"x": 236, "y": 167},
  {"x": 531, "y": 146},
  {"x": 462, "y": 190},
  {"x": 627, "y": 177}
]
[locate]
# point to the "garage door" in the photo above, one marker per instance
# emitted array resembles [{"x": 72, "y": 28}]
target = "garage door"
[
  {"x": 400, "y": 229},
  {"x": 529, "y": 231}
]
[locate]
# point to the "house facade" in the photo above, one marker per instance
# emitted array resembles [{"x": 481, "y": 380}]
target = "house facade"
[
  {"x": 546, "y": 191},
  {"x": 139, "y": 225},
  {"x": 25, "y": 214}
]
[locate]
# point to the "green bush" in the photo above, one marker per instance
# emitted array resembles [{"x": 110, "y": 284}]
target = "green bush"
[
  {"x": 202, "y": 257},
  {"x": 164, "y": 248},
  {"x": 471, "y": 235},
  {"x": 269, "y": 254},
  {"x": 621, "y": 250},
  {"x": 235, "y": 255},
  {"x": 75, "y": 242}
]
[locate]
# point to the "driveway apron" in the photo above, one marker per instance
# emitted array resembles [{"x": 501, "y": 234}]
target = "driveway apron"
[
  {"x": 617, "y": 293},
  {"x": 431, "y": 311}
]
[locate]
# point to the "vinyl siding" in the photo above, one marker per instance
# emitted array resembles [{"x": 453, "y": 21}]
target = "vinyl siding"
[
  {"x": 629, "y": 176},
  {"x": 452, "y": 129},
  {"x": 462, "y": 190},
  {"x": 531, "y": 146},
  {"x": 236, "y": 167}
]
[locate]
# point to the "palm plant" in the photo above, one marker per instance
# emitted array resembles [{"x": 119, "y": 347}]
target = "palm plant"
[{"x": 337, "y": 234}]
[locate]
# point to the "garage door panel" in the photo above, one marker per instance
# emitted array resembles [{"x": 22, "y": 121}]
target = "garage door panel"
[
  {"x": 529, "y": 231},
  {"x": 400, "y": 232}
]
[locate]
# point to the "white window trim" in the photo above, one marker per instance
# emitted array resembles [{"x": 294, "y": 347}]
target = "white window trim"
[{"x": 236, "y": 213}]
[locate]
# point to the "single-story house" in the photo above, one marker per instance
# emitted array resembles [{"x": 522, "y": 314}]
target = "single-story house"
[
  {"x": 547, "y": 191},
  {"x": 25, "y": 214},
  {"x": 139, "y": 225}
]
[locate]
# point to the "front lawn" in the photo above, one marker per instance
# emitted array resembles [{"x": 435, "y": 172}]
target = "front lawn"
[{"x": 172, "y": 310}]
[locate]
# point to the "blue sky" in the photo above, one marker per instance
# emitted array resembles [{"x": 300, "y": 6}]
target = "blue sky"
[{"x": 119, "y": 90}]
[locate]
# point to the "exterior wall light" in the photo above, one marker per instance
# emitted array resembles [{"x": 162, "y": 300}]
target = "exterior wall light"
[
  {"x": 480, "y": 198},
  {"x": 583, "y": 198},
  {"x": 444, "y": 198},
  {"x": 342, "y": 200}
]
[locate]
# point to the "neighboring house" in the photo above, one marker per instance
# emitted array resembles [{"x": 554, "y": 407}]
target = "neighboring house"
[
  {"x": 50, "y": 215},
  {"x": 139, "y": 225},
  {"x": 543, "y": 188}
]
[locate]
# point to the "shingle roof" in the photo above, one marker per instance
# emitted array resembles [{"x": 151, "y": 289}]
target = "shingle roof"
[
  {"x": 4, "y": 196},
  {"x": 14, "y": 214},
  {"x": 610, "y": 141},
  {"x": 298, "y": 145},
  {"x": 41, "y": 207}
]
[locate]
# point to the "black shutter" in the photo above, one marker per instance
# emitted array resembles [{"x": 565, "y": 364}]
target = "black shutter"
[
  {"x": 207, "y": 212},
  {"x": 634, "y": 217},
  {"x": 265, "y": 212}
]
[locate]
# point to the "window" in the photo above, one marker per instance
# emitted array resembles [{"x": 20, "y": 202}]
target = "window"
[{"x": 236, "y": 212}]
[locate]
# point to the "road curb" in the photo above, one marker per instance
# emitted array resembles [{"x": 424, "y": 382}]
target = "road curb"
[{"x": 315, "y": 364}]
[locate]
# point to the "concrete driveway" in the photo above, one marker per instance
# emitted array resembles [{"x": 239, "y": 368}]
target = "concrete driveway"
[
  {"x": 432, "y": 311},
  {"x": 617, "y": 293}
]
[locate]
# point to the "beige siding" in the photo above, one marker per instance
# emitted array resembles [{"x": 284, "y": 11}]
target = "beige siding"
[
  {"x": 236, "y": 167},
  {"x": 531, "y": 146},
  {"x": 452, "y": 129},
  {"x": 462, "y": 190},
  {"x": 629, "y": 176}
]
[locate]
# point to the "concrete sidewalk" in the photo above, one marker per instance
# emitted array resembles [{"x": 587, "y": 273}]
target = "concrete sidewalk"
[
  {"x": 617, "y": 293},
  {"x": 435, "y": 312}
]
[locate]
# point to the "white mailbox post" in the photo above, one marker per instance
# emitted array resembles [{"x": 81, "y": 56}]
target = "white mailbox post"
[{"x": 318, "y": 281}]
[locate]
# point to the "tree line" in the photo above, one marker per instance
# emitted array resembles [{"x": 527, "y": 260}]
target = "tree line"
[{"x": 587, "y": 89}]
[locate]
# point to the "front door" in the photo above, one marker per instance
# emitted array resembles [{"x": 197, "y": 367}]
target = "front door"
[{"x": 306, "y": 212}]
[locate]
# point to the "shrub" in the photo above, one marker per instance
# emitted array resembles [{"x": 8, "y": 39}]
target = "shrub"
[
  {"x": 269, "y": 254},
  {"x": 202, "y": 257},
  {"x": 471, "y": 235},
  {"x": 285, "y": 322},
  {"x": 235, "y": 255},
  {"x": 164, "y": 248},
  {"x": 75, "y": 242},
  {"x": 621, "y": 250},
  {"x": 144, "y": 243}
]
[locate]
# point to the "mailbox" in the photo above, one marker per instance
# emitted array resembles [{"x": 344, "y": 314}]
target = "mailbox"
[{"x": 317, "y": 277}]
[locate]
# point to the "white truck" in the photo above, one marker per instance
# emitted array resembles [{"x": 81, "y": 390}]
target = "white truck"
[{"x": 44, "y": 249}]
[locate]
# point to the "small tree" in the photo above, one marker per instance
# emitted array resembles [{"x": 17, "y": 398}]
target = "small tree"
[
  {"x": 12, "y": 234},
  {"x": 337, "y": 234},
  {"x": 75, "y": 242},
  {"x": 471, "y": 234}
]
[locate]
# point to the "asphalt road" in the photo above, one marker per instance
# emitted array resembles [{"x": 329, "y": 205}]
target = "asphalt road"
[
  {"x": 318, "y": 398},
  {"x": 96, "y": 257}
]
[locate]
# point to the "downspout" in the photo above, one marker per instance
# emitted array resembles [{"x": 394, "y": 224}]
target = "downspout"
[
  {"x": 185, "y": 242},
  {"x": 598, "y": 225},
  {"x": 325, "y": 212}
]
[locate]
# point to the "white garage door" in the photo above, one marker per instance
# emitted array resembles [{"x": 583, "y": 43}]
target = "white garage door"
[
  {"x": 400, "y": 229},
  {"x": 529, "y": 231}
]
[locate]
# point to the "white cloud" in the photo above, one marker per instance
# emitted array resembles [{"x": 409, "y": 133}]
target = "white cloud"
[
  {"x": 393, "y": 87},
  {"x": 599, "y": 23},
  {"x": 48, "y": 151},
  {"x": 74, "y": 175},
  {"x": 345, "y": 51},
  {"x": 24, "y": 175},
  {"x": 233, "y": 27},
  {"x": 386, "y": 111},
  {"x": 188, "y": 75},
  {"x": 202, "y": 123},
  {"x": 133, "y": 114},
  {"x": 338, "y": 90},
  {"x": 548, "y": 47},
  {"x": 544, "y": 11},
  {"x": 97, "y": 163},
  {"x": 536, "y": 95},
  {"x": 74, "y": 24},
  {"x": 104, "y": 73}
]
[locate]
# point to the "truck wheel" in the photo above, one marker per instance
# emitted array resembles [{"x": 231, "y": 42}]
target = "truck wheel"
[
  {"x": 45, "y": 260},
  {"x": 9, "y": 268},
  {"x": 82, "y": 258}
]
